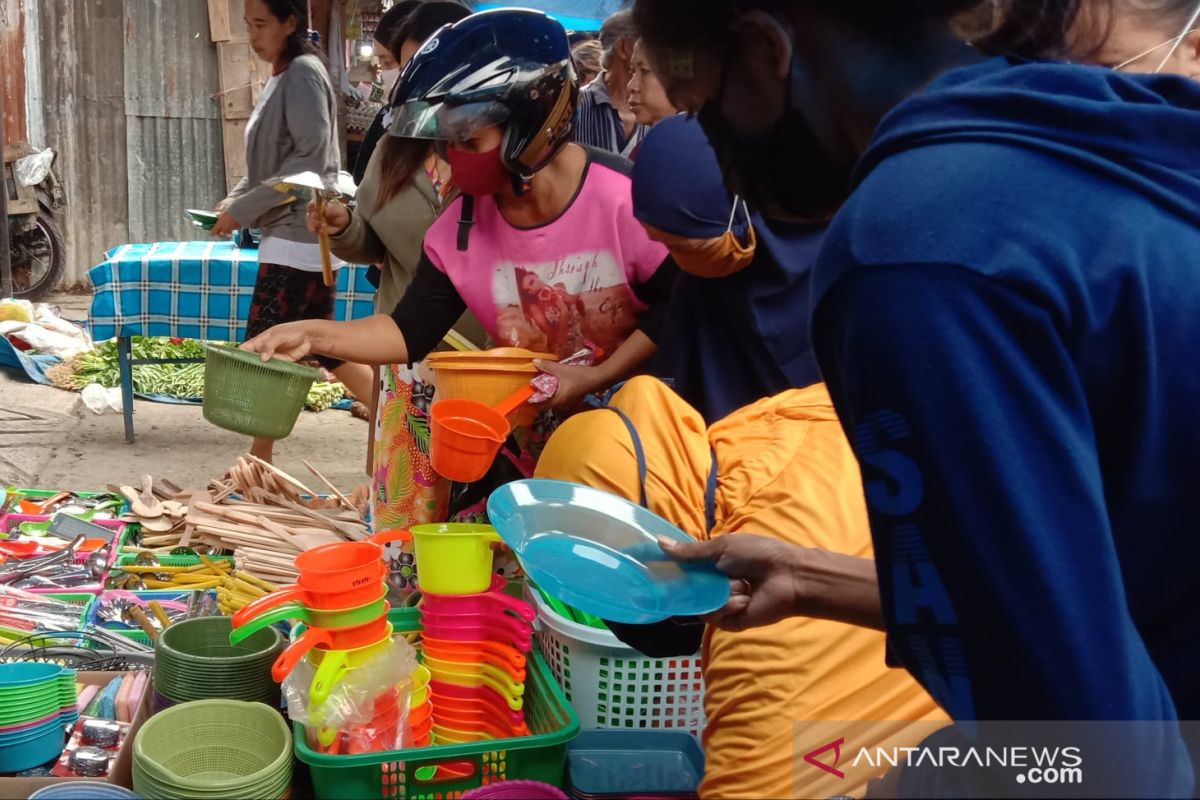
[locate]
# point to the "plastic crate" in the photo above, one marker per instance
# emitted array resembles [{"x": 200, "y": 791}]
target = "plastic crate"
[
  {"x": 611, "y": 685},
  {"x": 137, "y": 634},
  {"x": 45, "y": 494},
  {"x": 130, "y": 559},
  {"x": 39, "y": 495},
  {"x": 120, "y": 531},
  {"x": 84, "y": 600},
  {"x": 413, "y": 774}
]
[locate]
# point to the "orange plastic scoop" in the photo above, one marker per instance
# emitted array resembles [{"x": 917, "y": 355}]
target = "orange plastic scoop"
[{"x": 465, "y": 435}]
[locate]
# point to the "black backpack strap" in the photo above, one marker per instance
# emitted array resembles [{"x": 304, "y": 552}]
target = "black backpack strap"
[
  {"x": 638, "y": 451},
  {"x": 710, "y": 494},
  {"x": 465, "y": 221}
]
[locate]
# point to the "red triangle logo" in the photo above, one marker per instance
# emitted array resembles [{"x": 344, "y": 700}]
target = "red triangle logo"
[{"x": 832, "y": 769}]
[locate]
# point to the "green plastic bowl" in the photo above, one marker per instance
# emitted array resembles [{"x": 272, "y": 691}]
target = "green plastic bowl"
[
  {"x": 244, "y": 394},
  {"x": 195, "y": 661},
  {"x": 204, "y": 643},
  {"x": 213, "y": 748}
]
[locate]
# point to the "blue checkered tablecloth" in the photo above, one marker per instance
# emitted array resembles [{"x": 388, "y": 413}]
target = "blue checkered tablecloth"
[{"x": 194, "y": 290}]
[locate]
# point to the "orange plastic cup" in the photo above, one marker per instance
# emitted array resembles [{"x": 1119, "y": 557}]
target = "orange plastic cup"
[
  {"x": 465, "y": 435},
  {"x": 345, "y": 566},
  {"x": 340, "y": 640}
]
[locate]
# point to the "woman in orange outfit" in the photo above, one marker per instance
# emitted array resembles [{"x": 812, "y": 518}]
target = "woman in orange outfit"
[{"x": 784, "y": 470}]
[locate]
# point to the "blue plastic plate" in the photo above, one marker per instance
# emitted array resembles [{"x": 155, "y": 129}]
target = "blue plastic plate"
[{"x": 599, "y": 553}]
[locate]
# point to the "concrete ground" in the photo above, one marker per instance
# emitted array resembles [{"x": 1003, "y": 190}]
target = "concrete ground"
[{"x": 50, "y": 440}]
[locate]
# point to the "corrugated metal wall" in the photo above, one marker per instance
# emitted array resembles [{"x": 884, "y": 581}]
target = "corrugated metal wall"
[
  {"x": 12, "y": 69},
  {"x": 83, "y": 96},
  {"x": 125, "y": 92},
  {"x": 173, "y": 127}
]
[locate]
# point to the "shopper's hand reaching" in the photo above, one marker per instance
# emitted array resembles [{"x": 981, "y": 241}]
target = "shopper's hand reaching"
[
  {"x": 335, "y": 220},
  {"x": 290, "y": 341}
]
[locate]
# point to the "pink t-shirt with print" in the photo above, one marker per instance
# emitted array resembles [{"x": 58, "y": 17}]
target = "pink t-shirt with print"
[{"x": 555, "y": 287}]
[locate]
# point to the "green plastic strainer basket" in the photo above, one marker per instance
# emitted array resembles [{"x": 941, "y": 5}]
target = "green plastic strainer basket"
[
  {"x": 222, "y": 748},
  {"x": 242, "y": 393}
]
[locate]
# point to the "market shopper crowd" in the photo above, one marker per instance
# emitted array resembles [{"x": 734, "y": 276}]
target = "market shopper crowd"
[{"x": 896, "y": 308}]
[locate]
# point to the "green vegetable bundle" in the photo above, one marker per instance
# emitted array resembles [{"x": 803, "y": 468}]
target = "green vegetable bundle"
[{"x": 184, "y": 381}]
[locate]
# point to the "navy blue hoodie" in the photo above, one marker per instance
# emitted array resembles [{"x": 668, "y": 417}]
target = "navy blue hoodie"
[{"x": 1007, "y": 313}]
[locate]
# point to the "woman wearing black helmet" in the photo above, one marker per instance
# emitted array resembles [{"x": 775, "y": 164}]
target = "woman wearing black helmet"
[{"x": 543, "y": 247}]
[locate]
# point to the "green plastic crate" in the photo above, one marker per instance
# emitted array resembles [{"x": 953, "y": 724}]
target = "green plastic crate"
[
  {"x": 411, "y": 774},
  {"x": 43, "y": 494},
  {"x": 172, "y": 561},
  {"x": 84, "y": 600},
  {"x": 137, "y": 634}
]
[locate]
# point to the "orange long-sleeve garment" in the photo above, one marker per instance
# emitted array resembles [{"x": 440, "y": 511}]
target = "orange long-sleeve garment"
[{"x": 785, "y": 470}]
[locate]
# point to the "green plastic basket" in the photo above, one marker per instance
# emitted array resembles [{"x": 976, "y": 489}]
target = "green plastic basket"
[
  {"x": 244, "y": 394},
  {"x": 137, "y": 634},
  {"x": 84, "y": 600},
  {"x": 413, "y": 775},
  {"x": 129, "y": 559},
  {"x": 213, "y": 748}
]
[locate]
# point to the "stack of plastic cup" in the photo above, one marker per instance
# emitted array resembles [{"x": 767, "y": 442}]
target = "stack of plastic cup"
[
  {"x": 475, "y": 648},
  {"x": 420, "y": 709},
  {"x": 37, "y": 703},
  {"x": 341, "y": 595}
]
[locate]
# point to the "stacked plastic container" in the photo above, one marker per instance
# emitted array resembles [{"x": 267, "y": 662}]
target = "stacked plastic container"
[
  {"x": 194, "y": 660},
  {"x": 341, "y": 597},
  {"x": 476, "y": 638},
  {"x": 37, "y": 703}
]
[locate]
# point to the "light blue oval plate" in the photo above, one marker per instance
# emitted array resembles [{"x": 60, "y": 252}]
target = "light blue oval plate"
[{"x": 599, "y": 553}]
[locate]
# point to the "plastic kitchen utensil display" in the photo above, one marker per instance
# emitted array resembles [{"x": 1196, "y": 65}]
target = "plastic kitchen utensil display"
[
  {"x": 341, "y": 594},
  {"x": 600, "y": 553},
  {"x": 465, "y": 435}
]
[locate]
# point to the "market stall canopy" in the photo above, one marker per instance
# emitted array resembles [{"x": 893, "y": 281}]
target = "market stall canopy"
[{"x": 575, "y": 15}]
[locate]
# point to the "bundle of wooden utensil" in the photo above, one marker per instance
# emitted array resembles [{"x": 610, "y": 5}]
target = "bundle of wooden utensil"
[{"x": 259, "y": 512}]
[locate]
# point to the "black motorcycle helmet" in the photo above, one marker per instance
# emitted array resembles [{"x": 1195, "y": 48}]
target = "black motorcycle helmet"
[{"x": 508, "y": 67}]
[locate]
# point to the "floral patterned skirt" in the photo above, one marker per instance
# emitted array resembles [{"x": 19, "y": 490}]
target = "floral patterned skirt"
[{"x": 406, "y": 491}]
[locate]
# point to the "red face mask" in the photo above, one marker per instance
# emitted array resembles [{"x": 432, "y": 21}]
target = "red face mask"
[{"x": 478, "y": 173}]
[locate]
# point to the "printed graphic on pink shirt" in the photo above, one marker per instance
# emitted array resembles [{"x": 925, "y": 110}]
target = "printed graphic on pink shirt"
[{"x": 557, "y": 306}]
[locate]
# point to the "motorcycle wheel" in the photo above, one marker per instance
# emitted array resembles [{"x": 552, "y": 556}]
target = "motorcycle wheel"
[{"x": 39, "y": 257}]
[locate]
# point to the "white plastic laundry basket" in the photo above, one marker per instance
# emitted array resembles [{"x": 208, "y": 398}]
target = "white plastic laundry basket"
[{"x": 611, "y": 685}]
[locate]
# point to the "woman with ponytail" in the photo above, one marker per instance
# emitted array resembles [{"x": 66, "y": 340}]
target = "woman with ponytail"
[
  {"x": 403, "y": 189},
  {"x": 290, "y": 131}
]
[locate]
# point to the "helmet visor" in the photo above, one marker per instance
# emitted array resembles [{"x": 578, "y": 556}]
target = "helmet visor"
[{"x": 419, "y": 119}]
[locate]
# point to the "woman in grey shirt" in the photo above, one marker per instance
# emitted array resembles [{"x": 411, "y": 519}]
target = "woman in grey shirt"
[{"x": 290, "y": 131}]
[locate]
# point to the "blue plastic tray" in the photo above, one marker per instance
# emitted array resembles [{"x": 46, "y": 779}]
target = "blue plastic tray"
[
  {"x": 600, "y": 553},
  {"x": 620, "y": 763}
]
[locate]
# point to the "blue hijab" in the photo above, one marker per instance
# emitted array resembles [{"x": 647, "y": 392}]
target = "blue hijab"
[{"x": 729, "y": 341}]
